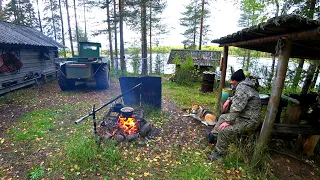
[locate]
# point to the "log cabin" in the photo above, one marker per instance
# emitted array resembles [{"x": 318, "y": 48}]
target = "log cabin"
[{"x": 27, "y": 56}]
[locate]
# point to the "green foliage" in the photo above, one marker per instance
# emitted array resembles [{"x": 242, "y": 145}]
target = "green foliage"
[
  {"x": 191, "y": 21},
  {"x": 134, "y": 53},
  {"x": 251, "y": 13},
  {"x": 51, "y": 21},
  {"x": 21, "y": 13},
  {"x": 36, "y": 172},
  {"x": 186, "y": 73},
  {"x": 177, "y": 60}
]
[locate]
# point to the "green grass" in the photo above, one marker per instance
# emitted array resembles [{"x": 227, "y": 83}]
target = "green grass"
[
  {"x": 34, "y": 125},
  {"x": 185, "y": 96},
  {"x": 36, "y": 172},
  {"x": 69, "y": 151}
]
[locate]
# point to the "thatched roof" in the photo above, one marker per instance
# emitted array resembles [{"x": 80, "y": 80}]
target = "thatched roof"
[
  {"x": 302, "y": 31},
  {"x": 200, "y": 57}
]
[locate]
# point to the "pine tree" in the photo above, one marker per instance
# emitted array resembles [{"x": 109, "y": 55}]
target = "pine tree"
[
  {"x": 52, "y": 19},
  {"x": 21, "y": 12},
  {"x": 191, "y": 20},
  {"x": 136, "y": 13}
]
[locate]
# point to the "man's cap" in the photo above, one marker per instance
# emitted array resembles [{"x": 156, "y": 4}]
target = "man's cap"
[{"x": 238, "y": 75}]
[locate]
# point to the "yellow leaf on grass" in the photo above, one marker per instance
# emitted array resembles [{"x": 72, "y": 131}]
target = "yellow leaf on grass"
[
  {"x": 1, "y": 140},
  {"x": 228, "y": 171}
]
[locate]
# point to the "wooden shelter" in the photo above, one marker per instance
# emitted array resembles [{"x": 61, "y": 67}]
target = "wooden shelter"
[
  {"x": 202, "y": 58},
  {"x": 26, "y": 56},
  {"x": 285, "y": 36}
]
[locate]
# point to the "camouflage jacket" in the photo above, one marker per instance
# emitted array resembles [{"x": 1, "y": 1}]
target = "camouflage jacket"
[{"x": 245, "y": 103}]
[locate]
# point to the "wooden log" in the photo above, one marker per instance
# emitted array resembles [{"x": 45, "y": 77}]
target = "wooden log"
[
  {"x": 223, "y": 76},
  {"x": 305, "y": 145},
  {"x": 309, "y": 145},
  {"x": 284, "y": 54},
  {"x": 295, "y": 129}
]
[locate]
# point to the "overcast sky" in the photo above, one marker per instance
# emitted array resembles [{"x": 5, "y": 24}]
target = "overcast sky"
[{"x": 223, "y": 21}]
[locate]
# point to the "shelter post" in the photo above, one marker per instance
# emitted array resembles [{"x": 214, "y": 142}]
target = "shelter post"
[
  {"x": 223, "y": 76},
  {"x": 284, "y": 49}
]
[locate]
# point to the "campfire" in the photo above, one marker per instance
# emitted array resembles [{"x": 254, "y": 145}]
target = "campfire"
[
  {"x": 128, "y": 125},
  {"x": 124, "y": 124}
]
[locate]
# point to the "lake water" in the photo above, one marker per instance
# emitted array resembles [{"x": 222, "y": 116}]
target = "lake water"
[{"x": 259, "y": 67}]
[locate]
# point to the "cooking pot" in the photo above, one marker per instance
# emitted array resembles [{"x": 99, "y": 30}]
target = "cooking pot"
[
  {"x": 117, "y": 107},
  {"x": 126, "y": 112}
]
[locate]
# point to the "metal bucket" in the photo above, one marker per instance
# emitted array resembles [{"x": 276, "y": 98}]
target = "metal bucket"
[
  {"x": 133, "y": 97},
  {"x": 151, "y": 91}
]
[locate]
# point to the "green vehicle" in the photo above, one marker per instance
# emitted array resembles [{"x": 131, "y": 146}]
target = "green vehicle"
[{"x": 89, "y": 66}]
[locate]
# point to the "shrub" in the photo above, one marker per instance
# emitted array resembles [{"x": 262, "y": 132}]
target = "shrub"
[{"x": 186, "y": 72}]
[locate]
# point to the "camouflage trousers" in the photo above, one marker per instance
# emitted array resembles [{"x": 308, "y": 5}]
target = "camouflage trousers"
[{"x": 230, "y": 134}]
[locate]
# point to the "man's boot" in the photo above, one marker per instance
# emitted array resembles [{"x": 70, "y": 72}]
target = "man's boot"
[{"x": 212, "y": 138}]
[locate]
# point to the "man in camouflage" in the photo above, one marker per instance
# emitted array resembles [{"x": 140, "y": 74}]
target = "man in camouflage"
[{"x": 243, "y": 116}]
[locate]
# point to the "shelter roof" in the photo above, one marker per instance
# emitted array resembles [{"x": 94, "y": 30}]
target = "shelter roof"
[
  {"x": 200, "y": 57},
  {"x": 23, "y": 35},
  {"x": 304, "y": 33}
]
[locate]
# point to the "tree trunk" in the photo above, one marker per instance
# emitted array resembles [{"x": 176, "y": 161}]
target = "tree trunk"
[
  {"x": 109, "y": 32},
  {"x": 312, "y": 68},
  {"x": 273, "y": 104},
  {"x": 297, "y": 77},
  {"x": 272, "y": 71},
  {"x": 315, "y": 77},
  {"x": 115, "y": 37},
  {"x": 53, "y": 23},
  {"x": 201, "y": 24},
  {"x": 150, "y": 41},
  {"x": 39, "y": 17},
  {"x": 223, "y": 76},
  {"x": 144, "y": 37},
  {"x": 76, "y": 20},
  {"x": 123, "y": 64},
  {"x": 248, "y": 60},
  {"x": 85, "y": 19},
  {"x": 62, "y": 29},
  {"x": 309, "y": 77},
  {"x": 194, "y": 27},
  {"x": 69, "y": 28}
]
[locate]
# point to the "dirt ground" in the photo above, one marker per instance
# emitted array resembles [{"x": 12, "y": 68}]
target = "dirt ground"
[{"x": 179, "y": 128}]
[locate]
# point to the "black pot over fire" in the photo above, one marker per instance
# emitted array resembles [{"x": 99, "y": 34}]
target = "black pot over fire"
[{"x": 126, "y": 112}]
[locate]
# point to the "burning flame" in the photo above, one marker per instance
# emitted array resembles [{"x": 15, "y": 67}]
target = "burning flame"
[{"x": 128, "y": 125}]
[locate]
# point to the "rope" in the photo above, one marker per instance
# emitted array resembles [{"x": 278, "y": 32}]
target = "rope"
[{"x": 279, "y": 46}]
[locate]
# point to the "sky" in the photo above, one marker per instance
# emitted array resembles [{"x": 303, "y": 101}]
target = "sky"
[{"x": 223, "y": 21}]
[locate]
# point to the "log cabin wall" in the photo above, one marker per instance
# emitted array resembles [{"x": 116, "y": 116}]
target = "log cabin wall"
[{"x": 32, "y": 61}]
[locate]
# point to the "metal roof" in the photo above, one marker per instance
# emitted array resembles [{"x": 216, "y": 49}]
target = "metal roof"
[
  {"x": 22, "y": 35},
  {"x": 200, "y": 57},
  {"x": 302, "y": 31}
]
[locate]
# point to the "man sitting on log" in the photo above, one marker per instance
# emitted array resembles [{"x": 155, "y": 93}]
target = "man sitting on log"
[{"x": 242, "y": 117}]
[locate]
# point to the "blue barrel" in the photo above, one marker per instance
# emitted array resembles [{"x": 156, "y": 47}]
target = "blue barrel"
[
  {"x": 127, "y": 83},
  {"x": 151, "y": 91}
]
